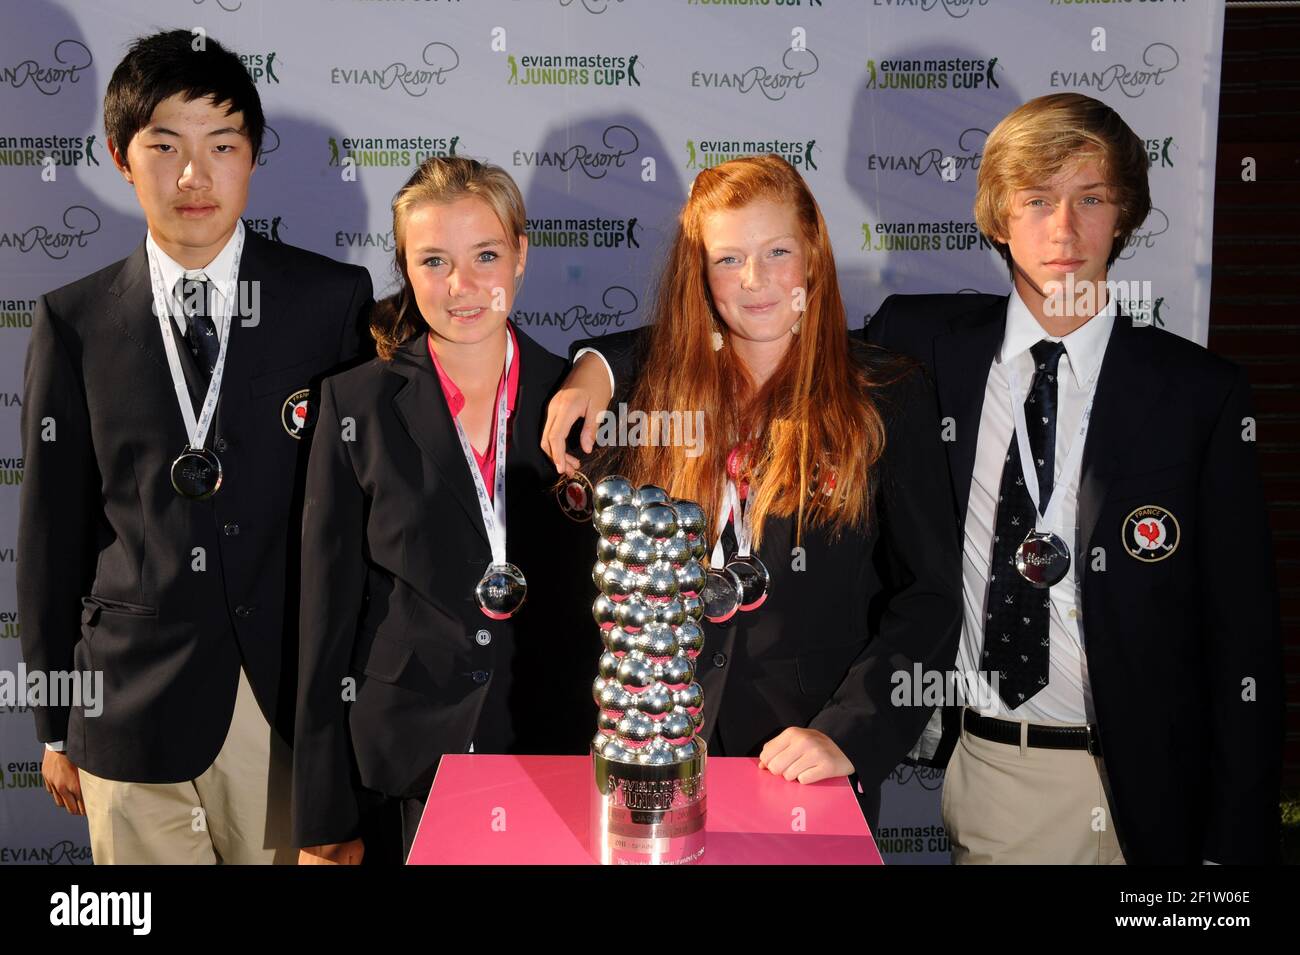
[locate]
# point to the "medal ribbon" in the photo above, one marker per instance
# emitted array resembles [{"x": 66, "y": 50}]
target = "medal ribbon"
[
  {"x": 740, "y": 521},
  {"x": 1049, "y": 517},
  {"x": 195, "y": 429},
  {"x": 493, "y": 509}
]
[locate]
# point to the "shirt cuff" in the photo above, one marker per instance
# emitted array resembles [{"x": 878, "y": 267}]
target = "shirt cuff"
[
  {"x": 57, "y": 746},
  {"x": 608, "y": 370}
]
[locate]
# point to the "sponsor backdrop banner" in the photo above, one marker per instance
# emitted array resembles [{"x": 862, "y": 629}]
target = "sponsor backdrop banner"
[{"x": 603, "y": 110}]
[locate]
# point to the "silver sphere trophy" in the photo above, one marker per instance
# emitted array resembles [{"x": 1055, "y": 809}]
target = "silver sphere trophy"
[{"x": 648, "y": 805}]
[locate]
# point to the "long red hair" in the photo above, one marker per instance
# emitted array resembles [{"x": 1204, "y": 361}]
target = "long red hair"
[{"x": 812, "y": 419}]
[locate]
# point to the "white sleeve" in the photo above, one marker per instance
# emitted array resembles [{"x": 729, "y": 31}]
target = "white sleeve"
[
  {"x": 57, "y": 746},
  {"x": 609, "y": 371}
]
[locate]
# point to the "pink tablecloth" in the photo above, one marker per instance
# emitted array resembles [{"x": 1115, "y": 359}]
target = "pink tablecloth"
[{"x": 533, "y": 810}]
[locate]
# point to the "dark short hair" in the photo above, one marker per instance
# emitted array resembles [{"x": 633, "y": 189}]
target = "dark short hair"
[{"x": 165, "y": 64}]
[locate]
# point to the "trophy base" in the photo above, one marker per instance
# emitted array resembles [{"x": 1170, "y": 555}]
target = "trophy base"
[{"x": 648, "y": 815}]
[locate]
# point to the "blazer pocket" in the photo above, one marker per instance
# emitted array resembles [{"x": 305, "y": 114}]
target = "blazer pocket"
[
  {"x": 93, "y": 605},
  {"x": 387, "y": 659},
  {"x": 820, "y": 671},
  {"x": 287, "y": 380}
]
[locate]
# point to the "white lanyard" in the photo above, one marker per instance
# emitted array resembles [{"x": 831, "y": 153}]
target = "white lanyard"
[
  {"x": 493, "y": 522},
  {"x": 1047, "y": 517},
  {"x": 195, "y": 429},
  {"x": 740, "y": 520}
]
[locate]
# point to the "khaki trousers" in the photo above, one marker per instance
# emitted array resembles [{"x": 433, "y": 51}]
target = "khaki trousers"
[
  {"x": 236, "y": 812},
  {"x": 1008, "y": 804}
]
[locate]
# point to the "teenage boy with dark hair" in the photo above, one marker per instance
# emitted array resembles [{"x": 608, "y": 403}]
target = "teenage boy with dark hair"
[
  {"x": 164, "y": 404},
  {"x": 1121, "y": 628}
]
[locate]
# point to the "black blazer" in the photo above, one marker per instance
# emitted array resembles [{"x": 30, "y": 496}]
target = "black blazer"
[
  {"x": 110, "y": 575},
  {"x": 823, "y": 649},
  {"x": 393, "y": 546},
  {"x": 1194, "y": 767}
]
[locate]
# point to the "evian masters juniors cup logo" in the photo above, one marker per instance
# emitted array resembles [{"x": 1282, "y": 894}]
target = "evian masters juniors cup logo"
[
  {"x": 591, "y": 69},
  {"x": 955, "y": 74},
  {"x": 260, "y": 66},
  {"x": 390, "y": 150},
  {"x": 1160, "y": 151},
  {"x": 707, "y": 153},
  {"x": 42, "y": 150}
]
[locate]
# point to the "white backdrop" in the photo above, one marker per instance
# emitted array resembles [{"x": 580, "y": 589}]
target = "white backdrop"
[{"x": 867, "y": 97}]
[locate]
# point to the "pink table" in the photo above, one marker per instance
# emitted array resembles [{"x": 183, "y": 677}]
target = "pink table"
[{"x": 533, "y": 810}]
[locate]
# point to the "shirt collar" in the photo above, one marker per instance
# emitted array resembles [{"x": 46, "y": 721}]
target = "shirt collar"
[
  {"x": 1085, "y": 346},
  {"x": 220, "y": 271},
  {"x": 456, "y": 399}
]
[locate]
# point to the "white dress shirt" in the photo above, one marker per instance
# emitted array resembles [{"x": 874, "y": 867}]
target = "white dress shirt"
[
  {"x": 220, "y": 272},
  {"x": 1066, "y": 698},
  {"x": 603, "y": 360}
]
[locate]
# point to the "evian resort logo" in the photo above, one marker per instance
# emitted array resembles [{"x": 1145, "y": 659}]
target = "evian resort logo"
[
  {"x": 617, "y": 143},
  {"x": 949, "y": 164},
  {"x": 79, "y": 224},
  {"x": 774, "y": 79},
  {"x": 957, "y": 9},
  {"x": 1158, "y": 60},
  {"x": 50, "y": 73},
  {"x": 436, "y": 61}
]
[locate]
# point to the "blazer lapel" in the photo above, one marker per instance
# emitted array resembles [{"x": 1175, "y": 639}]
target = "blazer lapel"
[
  {"x": 1127, "y": 386},
  {"x": 536, "y": 380},
  {"x": 256, "y": 333},
  {"x": 961, "y": 369},
  {"x": 131, "y": 306},
  {"x": 423, "y": 411}
]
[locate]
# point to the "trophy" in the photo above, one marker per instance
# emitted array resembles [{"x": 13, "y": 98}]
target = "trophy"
[{"x": 648, "y": 805}]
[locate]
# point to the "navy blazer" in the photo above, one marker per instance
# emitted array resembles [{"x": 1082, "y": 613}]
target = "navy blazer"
[
  {"x": 169, "y": 597},
  {"x": 1184, "y": 654},
  {"x": 397, "y": 663}
]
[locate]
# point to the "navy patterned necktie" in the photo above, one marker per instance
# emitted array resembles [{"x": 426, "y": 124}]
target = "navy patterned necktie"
[
  {"x": 1016, "y": 640},
  {"x": 195, "y": 295}
]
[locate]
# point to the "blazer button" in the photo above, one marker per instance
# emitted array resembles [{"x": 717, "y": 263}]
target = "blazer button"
[
  {"x": 231, "y": 529},
  {"x": 242, "y": 611},
  {"x": 719, "y": 659},
  {"x": 479, "y": 676},
  {"x": 483, "y": 638}
]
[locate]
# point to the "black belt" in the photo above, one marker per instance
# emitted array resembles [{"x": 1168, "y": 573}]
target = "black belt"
[{"x": 1042, "y": 737}]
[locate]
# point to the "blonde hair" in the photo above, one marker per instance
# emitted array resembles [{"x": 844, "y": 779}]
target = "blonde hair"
[
  {"x": 1053, "y": 134},
  {"x": 439, "y": 179}
]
